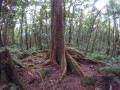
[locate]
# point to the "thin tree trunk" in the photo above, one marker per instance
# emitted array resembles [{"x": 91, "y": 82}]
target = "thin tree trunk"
[
  {"x": 1, "y": 44},
  {"x": 26, "y": 33},
  {"x": 108, "y": 38},
  {"x": 71, "y": 32},
  {"x": 30, "y": 40},
  {"x": 40, "y": 30},
  {"x": 78, "y": 31},
  {"x": 91, "y": 29},
  {"x": 21, "y": 28},
  {"x": 69, "y": 35},
  {"x": 94, "y": 41},
  {"x": 5, "y": 33},
  {"x": 13, "y": 35},
  {"x": 116, "y": 38}
]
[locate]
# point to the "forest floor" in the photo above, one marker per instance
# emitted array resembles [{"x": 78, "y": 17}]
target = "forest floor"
[{"x": 93, "y": 80}]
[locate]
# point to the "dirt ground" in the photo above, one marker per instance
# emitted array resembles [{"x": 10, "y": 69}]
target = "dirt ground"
[{"x": 52, "y": 81}]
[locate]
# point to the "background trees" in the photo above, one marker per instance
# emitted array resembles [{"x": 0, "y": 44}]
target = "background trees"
[
  {"x": 29, "y": 25},
  {"x": 87, "y": 27}
]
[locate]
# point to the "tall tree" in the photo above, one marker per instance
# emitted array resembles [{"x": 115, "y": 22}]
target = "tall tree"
[
  {"x": 21, "y": 28},
  {"x": 1, "y": 44},
  {"x": 59, "y": 55}
]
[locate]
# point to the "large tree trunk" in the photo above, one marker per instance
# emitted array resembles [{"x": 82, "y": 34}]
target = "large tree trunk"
[
  {"x": 59, "y": 55},
  {"x": 57, "y": 31}
]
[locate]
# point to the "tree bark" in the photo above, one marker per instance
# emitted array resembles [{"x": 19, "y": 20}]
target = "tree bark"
[
  {"x": 116, "y": 32},
  {"x": 5, "y": 33},
  {"x": 108, "y": 38},
  {"x": 94, "y": 41},
  {"x": 71, "y": 30},
  {"x": 26, "y": 33},
  {"x": 40, "y": 30},
  {"x": 78, "y": 31},
  {"x": 58, "y": 54},
  {"x": 21, "y": 28}
]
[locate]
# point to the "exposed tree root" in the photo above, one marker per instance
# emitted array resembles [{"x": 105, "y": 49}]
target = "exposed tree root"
[
  {"x": 73, "y": 65},
  {"x": 68, "y": 61},
  {"x": 73, "y": 51},
  {"x": 63, "y": 66},
  {"x": 81, "y": 57}
]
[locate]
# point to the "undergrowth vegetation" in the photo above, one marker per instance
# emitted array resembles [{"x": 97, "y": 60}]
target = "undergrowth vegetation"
[
  {"x": 110, "y": 69},
  {"x": 10, "y": 86}
]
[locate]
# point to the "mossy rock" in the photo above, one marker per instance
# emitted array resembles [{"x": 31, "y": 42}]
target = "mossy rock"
[{"x": 87, "y": 81}]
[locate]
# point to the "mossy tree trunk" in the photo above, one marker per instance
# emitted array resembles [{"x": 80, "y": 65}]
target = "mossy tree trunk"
[{"x": 8, "y": 72}]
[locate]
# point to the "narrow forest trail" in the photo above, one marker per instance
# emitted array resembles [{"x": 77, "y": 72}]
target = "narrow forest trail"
[{"x": 52, "y": 81}]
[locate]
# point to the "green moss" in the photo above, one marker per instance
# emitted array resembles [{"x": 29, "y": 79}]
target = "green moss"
[
  {"x": 60, "y": 81},
  {"x": 45, "y": 72},
  {"x": 87, "y": 81}
]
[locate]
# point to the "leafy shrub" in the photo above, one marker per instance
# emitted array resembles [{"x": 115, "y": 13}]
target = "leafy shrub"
[
  {"x": 34, "y": 48},
  {"x": 23, "y": 55},
  {"x": 100, "y": 56},
  {"x": 111, "y": 70}
]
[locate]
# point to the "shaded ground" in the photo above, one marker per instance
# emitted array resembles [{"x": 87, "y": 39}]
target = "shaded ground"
[{"x": 32, "y": 79}]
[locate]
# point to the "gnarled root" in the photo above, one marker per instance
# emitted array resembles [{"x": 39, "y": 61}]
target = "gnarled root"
[
  {"x": 63, "y": 66},
  {"x": 81, "y": 57},
  {"x": 73, "y": 64},
  {"x": 68, "y": 61}
]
